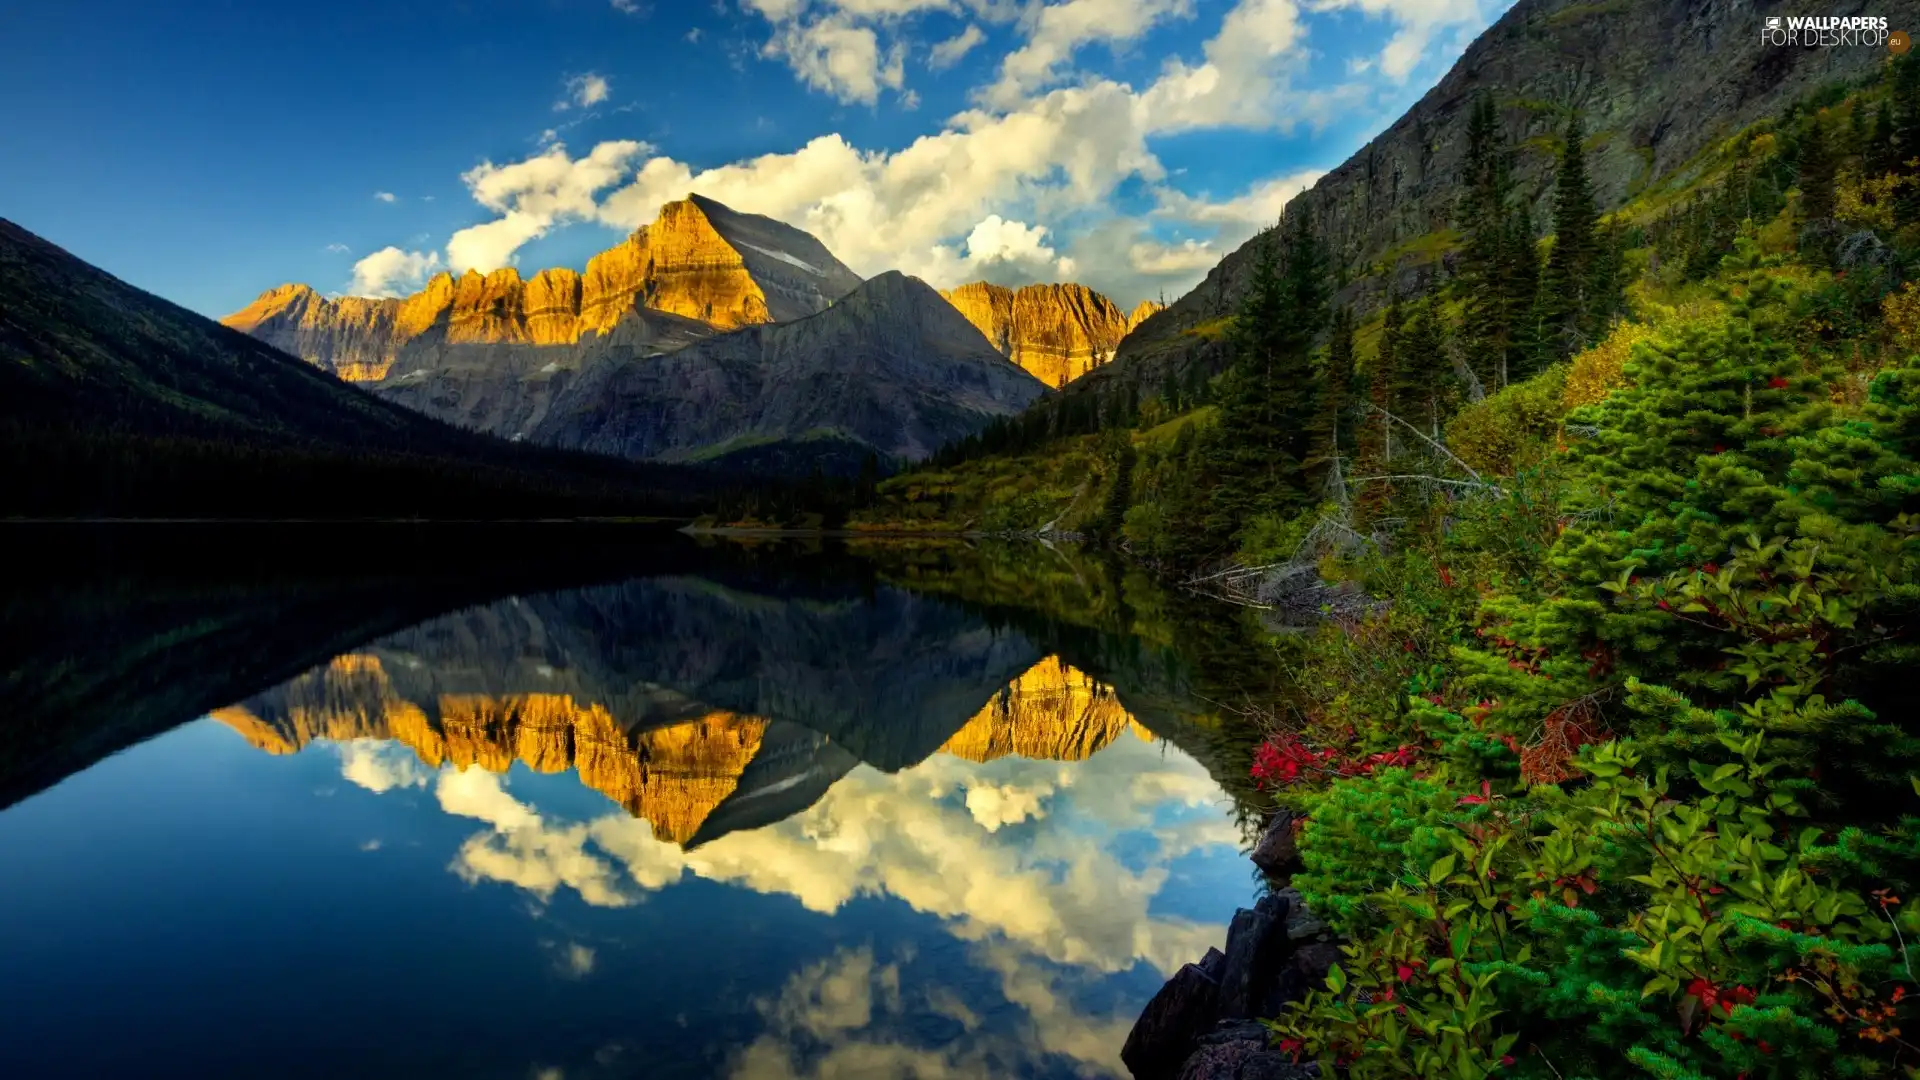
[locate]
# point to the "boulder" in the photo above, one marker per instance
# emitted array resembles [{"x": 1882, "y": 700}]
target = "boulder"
[
  {"x": 1171, "y": 1025},
  {"x": 1276, "y": 852},
  {"x": 1305, "y": 970},
  {"x": 1302, "y": 924},
  {"x": 1256, "y": 949},
  {"x": 1214, "y": 964}
]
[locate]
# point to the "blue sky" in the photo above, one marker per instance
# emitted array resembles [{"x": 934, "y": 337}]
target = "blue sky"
[{"x": 212, "y": 149}]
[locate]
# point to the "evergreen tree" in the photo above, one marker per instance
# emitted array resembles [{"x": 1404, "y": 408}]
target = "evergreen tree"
[
  {"x": 1374, "y": 439},
  {"x": 1520, "y": 289},
  {"x": 1113, "y": 513},
  {"x": 1564, "y": 302},
  {"x": 1881, "y": 156},
  {"x": 1608, "y": 280},
  {"x": 1816, "y": 169},
  {"x": 1262, "y": 436},
  {"x": 1338, "y": 429},
  {"x": 1906, "y": 136},
  {"x": 1488, "y": 284},
  {"x": 1423, "y": 380},
  {"x": 869, "y": 481}
]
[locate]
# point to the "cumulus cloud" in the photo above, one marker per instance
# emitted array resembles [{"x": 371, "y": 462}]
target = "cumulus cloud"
[
  {"x": 1043, "y": 146},
  {"x": 391, "y": 271},
  {"x": 1417, "y": 22},
  {"x": 585, "y": 91},
  {"x": 386, "y": 196},
  {"x": 1061, "y": 28},
  {"x": 532, "y": 196},
  {"x": 839, "y": 57},
  {"x": 947, "y": 53}
]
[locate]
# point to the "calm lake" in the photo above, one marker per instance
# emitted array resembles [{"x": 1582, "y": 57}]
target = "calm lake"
[{"x": 502, "y": 803}]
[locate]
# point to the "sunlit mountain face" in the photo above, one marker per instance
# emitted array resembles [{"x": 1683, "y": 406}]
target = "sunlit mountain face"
[{"x": 666, "y": 827}]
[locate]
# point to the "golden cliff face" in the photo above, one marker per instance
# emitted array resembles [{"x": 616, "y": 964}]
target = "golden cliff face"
[
  {"x": 1051, "y": 713},
  {"x": 700, "y": 260},
  {"x": 672, "y": 777},
  {"x": 1056, "y": 332}
]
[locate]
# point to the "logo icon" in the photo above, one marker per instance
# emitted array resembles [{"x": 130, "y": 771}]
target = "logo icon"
[
  {"x": 1773, "y": 22},
  {"x": 1898, "y": 42}
]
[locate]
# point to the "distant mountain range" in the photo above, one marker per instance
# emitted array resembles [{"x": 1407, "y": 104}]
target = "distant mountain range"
[
  {"x": 569, "y": 359},
  {"x": 114, "y": 402},
  {"x": 708, "y": 335}
]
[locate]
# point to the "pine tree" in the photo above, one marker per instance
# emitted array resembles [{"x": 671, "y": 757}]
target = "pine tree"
[
  {"x": 1262, "y": 436},
  {"x": 1564, "y": 297},
  {"x": 1338, "y": 426},
  {"x": 1906, "y": 136},
  {"x": 1882, "y": 158},
  {"x": 1423, "y": 379},
  {"x": 1374, "y": 439},
  {"x": 869, "y": 481},
  {"x": 1520, "y": 289},
  {"x": 1487, "y": 283},
  {"x": 1113, "y": 513}
]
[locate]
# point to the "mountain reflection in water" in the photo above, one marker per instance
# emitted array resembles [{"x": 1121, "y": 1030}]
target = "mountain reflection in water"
[{"x": 674, "y": 826}]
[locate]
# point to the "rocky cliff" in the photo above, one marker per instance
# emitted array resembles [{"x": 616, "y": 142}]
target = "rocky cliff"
[
  {"x": 1056, "y": 332},
  {"x": 1656, "y": 81},
  {"x": 701, "y": 261},
  {"x": 890, "y": 368}
]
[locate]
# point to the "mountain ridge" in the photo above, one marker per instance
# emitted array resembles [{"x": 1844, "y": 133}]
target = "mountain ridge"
[
  {"x": 1057, "y": 332},
  {"x": 699, "y": 260},
  {"x": 1657, "y": 81},
  {"x": 892, "y": 368}
]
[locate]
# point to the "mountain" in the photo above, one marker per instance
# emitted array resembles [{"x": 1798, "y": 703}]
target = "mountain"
[
  {"x": 700, "y": 261},
  {"x": 117, "y": 402},
  {"x": 1056, "y": 332},
  {"x": 1656, "y": 82},
  {"x": 891, "y": 368}
]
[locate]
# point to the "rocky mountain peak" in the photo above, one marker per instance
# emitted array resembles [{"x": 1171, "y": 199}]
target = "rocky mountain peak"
[
  {"x": 699, "y": 260},
  {"x": 1056, "y": 332}
]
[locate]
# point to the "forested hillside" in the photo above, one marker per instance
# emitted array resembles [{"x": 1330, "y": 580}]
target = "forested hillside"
[{"x": 1603, "y": 561}]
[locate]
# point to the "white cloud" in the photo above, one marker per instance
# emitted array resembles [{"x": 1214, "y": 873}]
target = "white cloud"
[
  {"x": 338, "y": 249},
  {"x": 629, "y": 7},
  {"x": 533, "y": 196},
  {"x": 1061, "y": 28},
  {"x": 388, "y": 271},
  {"x": 386, "y": 196},
  {"x": 1039, "y": 157},
  {"x": 585, "y": 91},
  {"x": 948, "y": 53},
  {"x": 1416, "y": 21},
  {"x": 839, "y": 57},
  {"x": 693, "y": 36}
]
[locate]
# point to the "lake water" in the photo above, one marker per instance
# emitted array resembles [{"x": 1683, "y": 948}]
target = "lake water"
[{"x": 744, "y": 815}]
